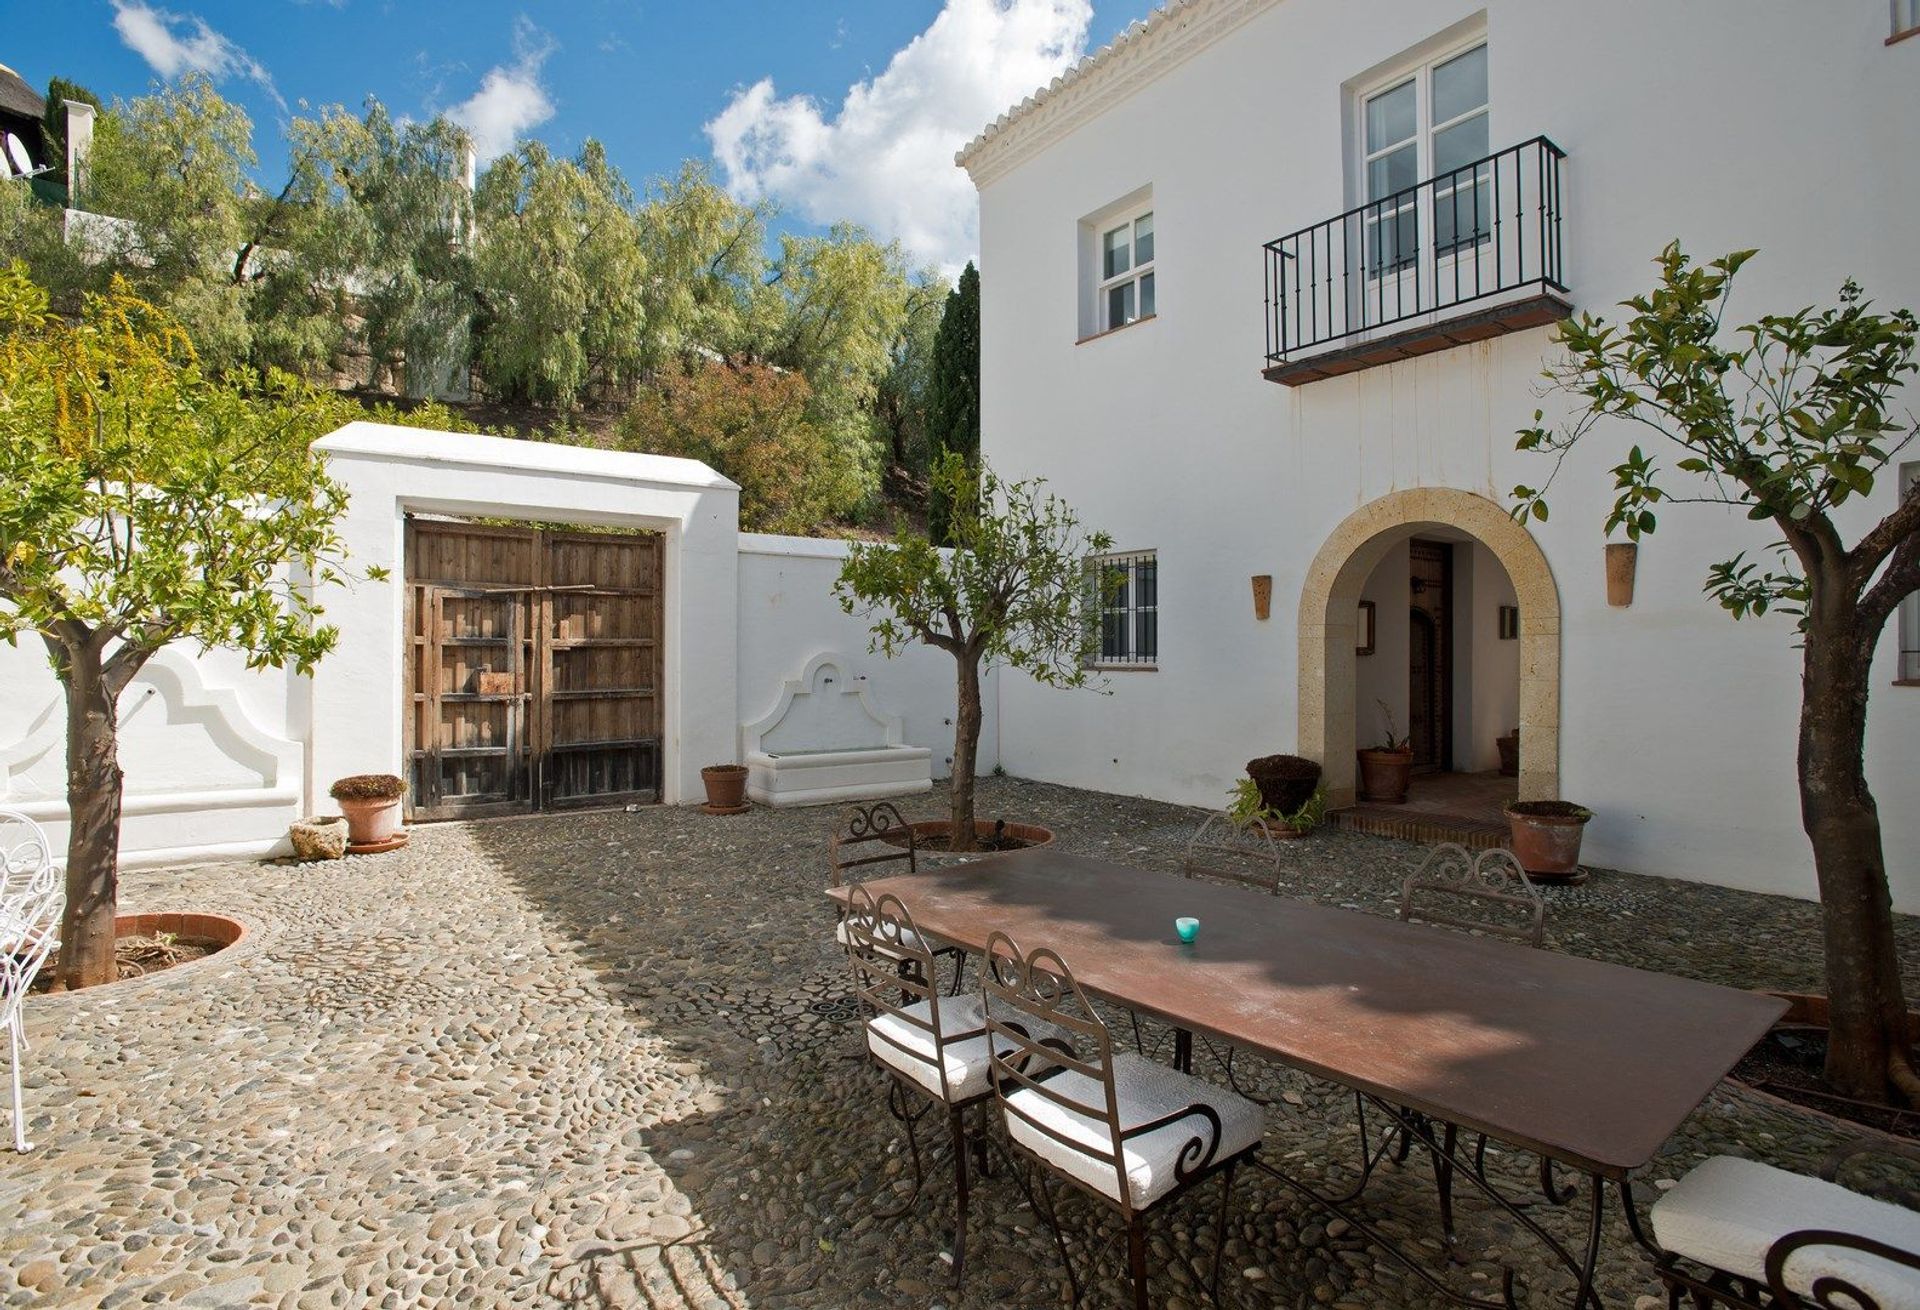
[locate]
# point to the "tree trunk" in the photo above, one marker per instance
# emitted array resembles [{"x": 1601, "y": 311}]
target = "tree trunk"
[
  {"x": 93, "y": 840},
  {"x": 966, "y": 746},
  {"x": 1868, "y": 1035}
]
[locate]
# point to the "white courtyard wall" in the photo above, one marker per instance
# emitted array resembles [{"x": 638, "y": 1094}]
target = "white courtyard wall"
[
  {"x": 1730, "y": 124},
  {"x": 788, "y": 615}
]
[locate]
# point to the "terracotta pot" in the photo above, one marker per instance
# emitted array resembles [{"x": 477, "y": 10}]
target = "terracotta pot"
[
  {"x": 1622, "y": 559},
  {"x": 1546, "y": 837},
  {"x": 370, "y": 820},
  {"x": 930, "y": 838},
  {"x": 1509, "y": 754},
  {"x": 726, "y": 785},
  {"x": 1385, "y": 776}
]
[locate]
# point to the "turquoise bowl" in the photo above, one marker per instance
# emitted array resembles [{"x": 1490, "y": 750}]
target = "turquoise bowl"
[{"x": 1187, "y": 928}]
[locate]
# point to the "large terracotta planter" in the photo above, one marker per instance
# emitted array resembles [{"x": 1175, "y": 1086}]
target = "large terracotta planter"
[
  {"x": 1546, "y": 837},
  {"x": 372, "y": 820},
  {"x": 930, "y": 837},
  {"x": 1385, "y": 776}
]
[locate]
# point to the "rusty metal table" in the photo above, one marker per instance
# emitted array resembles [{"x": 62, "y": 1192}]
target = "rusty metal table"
[{"x": 1590, "y": 1064}]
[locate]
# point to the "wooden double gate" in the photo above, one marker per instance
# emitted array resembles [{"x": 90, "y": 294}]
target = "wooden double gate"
[{"x": 533, "y": 669}]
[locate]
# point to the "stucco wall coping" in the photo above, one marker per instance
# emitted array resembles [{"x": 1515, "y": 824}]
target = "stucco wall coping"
[{"x": 395, "y": 444}]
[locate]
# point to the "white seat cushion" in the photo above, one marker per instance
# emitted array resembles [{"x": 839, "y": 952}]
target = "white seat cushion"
[
  {"x": 1145, "y": 1092},
  {"x": 908, "y": 938},
  {"x": 964, "y": 1056},
  {"x": 1727, "y": 1213}
]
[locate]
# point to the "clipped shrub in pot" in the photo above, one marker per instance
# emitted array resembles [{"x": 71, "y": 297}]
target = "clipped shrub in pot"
[
  {"x": 1285, "y": 782},
  {"x": 371, "y": 803}
]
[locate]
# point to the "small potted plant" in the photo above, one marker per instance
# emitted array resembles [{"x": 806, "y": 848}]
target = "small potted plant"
[
  {"x": 1246, "y": 806},
  {"x": 1285, "y": 782},
  {"x": 1386, "y": 770},
  {"x": 371, "y": 804},
  {"x": 726, "y": 786},
  {"x": 1546, "y": 836}
]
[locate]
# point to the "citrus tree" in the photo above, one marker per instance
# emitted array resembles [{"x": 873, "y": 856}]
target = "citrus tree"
[
  {"x": 1794, "y": 419},
  {"x": 143, "y": 503},
  {"x": 1019, "y": 588}
]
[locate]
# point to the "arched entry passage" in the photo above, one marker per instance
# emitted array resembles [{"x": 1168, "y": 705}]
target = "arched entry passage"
[{"x": 1329, "y": 602}]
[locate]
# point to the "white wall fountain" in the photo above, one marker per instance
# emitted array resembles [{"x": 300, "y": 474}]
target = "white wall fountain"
[{"x": 826, "y": 741}]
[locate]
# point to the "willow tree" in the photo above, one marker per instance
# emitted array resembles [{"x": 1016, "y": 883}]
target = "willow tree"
[
  {"x": 1019, "y": 588},
  {"x": 1794, "y": 419},
  {"x": 143, "y": 503}
]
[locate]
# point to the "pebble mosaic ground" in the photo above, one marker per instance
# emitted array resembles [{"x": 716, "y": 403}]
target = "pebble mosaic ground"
[{"x": 608, "y": 1060}]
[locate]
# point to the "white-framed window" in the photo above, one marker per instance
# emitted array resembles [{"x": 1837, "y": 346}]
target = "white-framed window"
[
  {"x": 1909, "y": 670},
  {"x": 1427, "y": 121},
  {"x": 1126, "y": 290},
  {"x": 1906, "y": 17},
  {"x": 1129, "y": 599}
]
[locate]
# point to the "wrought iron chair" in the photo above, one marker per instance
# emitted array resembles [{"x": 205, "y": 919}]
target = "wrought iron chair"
[
  {"x": 1487, "y": 894},
  {"x": 932, "y": 1047},
  {"x": 30, "y": 908},
  {"x": 1742, "y": 1234},
  {"x": 1239, "y": 850},
  {"x": 1131, "y": 1134},
  {"x": 875, "y": 835}
]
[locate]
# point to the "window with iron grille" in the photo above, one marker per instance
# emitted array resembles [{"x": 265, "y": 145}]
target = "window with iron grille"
[
  {"x": 1910, "y": 607},
  {"x": 1129, "y": 603}
]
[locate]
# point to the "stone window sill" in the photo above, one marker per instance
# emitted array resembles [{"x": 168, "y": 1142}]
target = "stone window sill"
[
  {"x": 1101, "y": 336},
  {"x": 1898, "y": 37}
]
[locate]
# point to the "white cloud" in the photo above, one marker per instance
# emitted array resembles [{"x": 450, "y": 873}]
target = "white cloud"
[
  {"x": 511, "y": 101},
  {"x": 885, "y": 158},
  {"x": 173, "y": 44}
]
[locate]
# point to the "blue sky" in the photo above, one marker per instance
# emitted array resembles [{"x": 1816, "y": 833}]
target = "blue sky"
[{"x": 835, "y": 108}]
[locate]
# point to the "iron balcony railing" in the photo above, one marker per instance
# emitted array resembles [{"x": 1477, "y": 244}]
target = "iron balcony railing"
[{"x": 1483, "y": 230}]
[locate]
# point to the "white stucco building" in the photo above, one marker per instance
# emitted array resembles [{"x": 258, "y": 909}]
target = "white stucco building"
[{"x": 1336, "y": 410}]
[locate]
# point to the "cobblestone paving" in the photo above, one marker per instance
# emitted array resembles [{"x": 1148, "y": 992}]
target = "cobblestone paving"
[{"x": 606, "y": 1060}]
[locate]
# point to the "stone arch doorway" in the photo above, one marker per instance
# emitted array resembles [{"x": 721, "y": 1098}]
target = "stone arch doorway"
[{"x": 1329, "y": 605}]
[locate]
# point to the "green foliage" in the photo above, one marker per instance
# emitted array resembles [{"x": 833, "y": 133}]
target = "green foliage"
[
  {"x": 1012, "y": 590},
  {"x": 1787, "y": 418},
  {"x": 53, "y": 122},
  {"x": 1393, "y": 742},
  {"x": 953, "y": 389},
  {"x": 904, "y": 392},
  {"x": 560, "y": 273},
  {"x": 143, "y": 502},
  {"x": 755, "y": 424},
  {"x": 1245, "y": 805}
]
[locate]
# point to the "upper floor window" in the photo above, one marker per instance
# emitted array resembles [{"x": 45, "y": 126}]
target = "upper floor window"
[
  {"x": 1126, "y": 272},
  {"x": 1129, "y": 609},
  {"x": 1906, "y": 18},
  {"x": 1426, "y": 122}
]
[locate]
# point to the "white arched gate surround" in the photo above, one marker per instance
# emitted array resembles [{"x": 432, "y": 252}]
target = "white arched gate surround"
[
  {"x": 390, "y": 471},
  {"x": 1329, "y": 606}
]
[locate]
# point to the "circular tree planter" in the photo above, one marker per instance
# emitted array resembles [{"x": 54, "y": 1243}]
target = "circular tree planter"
[
  {"x": 207, "y": 935},
  {"x": 1767, "y": 1070},
  {"x": 932, "y": 836},
  {"x": 1546, "y": 838}
]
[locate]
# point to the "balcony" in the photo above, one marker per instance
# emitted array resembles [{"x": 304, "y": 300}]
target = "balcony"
[{"x": 1463, "y": 256}]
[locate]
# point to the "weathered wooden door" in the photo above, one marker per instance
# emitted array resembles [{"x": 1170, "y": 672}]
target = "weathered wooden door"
[
  {"x": 1430, "y": 656},
  {"x": 533, "y": 669}
]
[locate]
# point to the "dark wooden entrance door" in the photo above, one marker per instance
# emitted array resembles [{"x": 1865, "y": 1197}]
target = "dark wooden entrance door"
[
  {"x": 1430, "y": 656},
  {"x": 533, "y": 669}
]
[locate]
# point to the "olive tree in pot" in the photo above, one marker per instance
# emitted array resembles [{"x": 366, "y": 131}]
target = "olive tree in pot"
[
  {"x": 1019, "y": 588},
  {"x": 1791, "y": 419}
]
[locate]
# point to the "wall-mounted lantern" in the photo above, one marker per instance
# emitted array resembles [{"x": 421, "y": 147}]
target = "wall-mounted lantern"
[
  {"x": 1262, "y": 596},
  {"x": 1622, "y": 560}
]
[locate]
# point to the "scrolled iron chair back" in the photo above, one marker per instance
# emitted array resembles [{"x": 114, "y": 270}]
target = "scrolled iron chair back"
[
  {"x": 893, "y": 972},
  {"x": 1453, "y": 883},
  {"x": 26, "y": 856},
  {"x": 1248, "y": 843},
  {"x": 879, "y": 825},
  {"x": 1027, "y": 992},
  {"x": 1830, "y": 1291}
]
